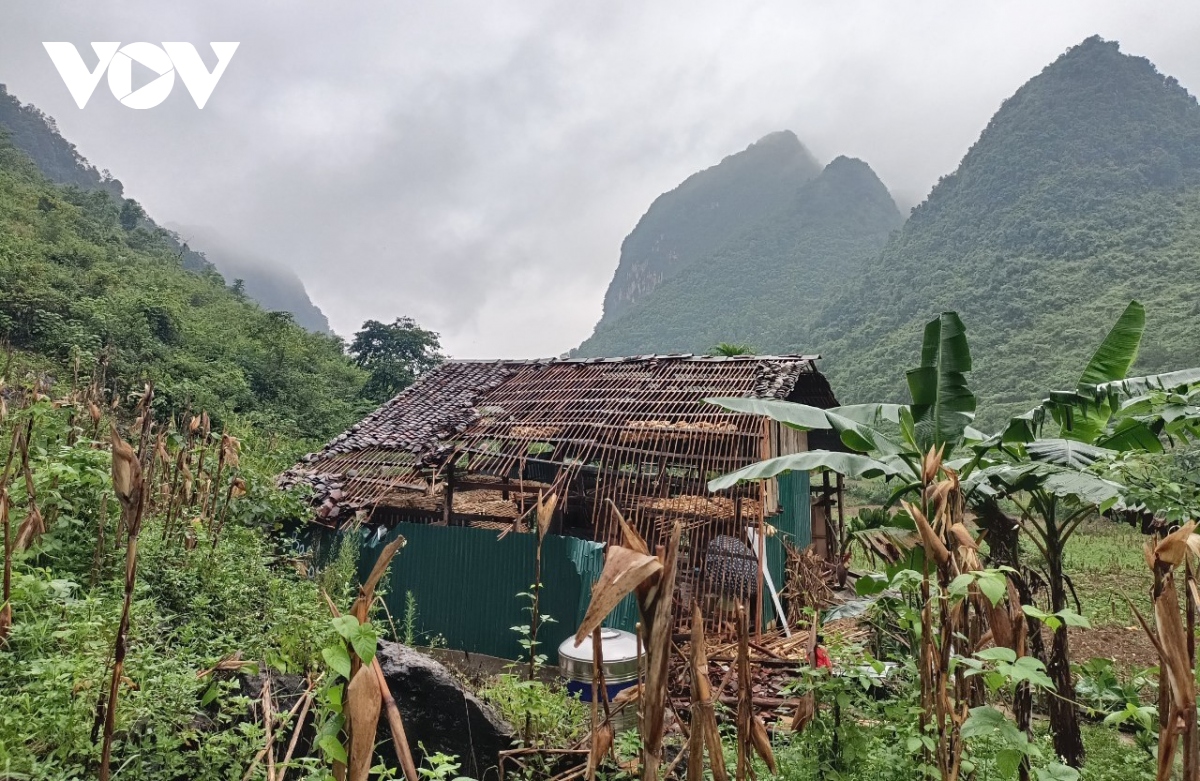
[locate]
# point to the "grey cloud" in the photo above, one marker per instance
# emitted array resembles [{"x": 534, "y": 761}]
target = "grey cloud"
[{"x": 476, "y": 165}]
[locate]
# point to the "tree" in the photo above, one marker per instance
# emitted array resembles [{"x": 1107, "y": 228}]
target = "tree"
[
  {"x": 730, "y": 349},
  {"x": 395, "y": 354},
  {"x": 131, "y": 214}
]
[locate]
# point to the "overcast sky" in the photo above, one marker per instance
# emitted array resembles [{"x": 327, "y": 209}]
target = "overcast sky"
[{"x": 475, "y": 165}]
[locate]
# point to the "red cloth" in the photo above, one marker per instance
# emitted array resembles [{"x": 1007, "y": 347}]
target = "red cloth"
[{"x": 823, "y": 658}]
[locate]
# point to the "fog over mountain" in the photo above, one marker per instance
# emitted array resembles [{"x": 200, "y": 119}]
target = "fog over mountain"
[{"x": 477, "y": 166}]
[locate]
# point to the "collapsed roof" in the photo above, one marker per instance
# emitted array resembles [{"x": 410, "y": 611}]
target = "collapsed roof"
[{"x": 563, "y": 411}]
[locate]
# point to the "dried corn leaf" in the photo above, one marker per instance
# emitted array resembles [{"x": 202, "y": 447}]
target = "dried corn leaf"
[
  {"x": 1173, "y": 637},
  {"x": 762, "y": 743},
  {"x": 30, "y": 530},
  {"x": 624, "y": 570},
  {"x": 963, "y": 538},
  {"x": 602, "y": 740},
  {"x": 366, "y": 594},
  {"x": 705, "y": 733},
  {"x": 126, "y": 471},
  {"x": 1173, "y": 548},
  {"x": 804, "y": 712},
  {"x": 931, "y": 464},
  {"x": 655, "y": 605},
  {"x": 545, "y": 512},
  {"x": 363, "y": 703},
  {"x": 629, "y": 535},
  {"x": 933, "y": 545}
]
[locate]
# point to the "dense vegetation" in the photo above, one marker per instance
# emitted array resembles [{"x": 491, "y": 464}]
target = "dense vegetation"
[
  {"x": 706, "y": 210},
  {"x": 209, "y": 585},
  {"x": 78, "y": 285},
  {"x": 764, "y": 285},
  {"x": 1082, "y": 193},
  {"x": 273, "y": 286}
]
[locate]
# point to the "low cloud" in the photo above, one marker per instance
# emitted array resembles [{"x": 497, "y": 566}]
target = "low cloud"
[{"x": 476, "y": 165}]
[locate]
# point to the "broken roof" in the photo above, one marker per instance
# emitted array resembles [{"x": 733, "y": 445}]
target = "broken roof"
[{"x": 495, "y": 409}]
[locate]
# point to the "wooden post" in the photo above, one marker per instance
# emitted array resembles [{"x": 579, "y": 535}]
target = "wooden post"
[
  {"x": 841, "y": 516},
  {"x": 448, "y": 497},
  {"x": 827, "y": 506}
]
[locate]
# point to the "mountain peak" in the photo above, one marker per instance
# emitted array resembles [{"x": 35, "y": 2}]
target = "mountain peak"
[
  {"x": 782, "y": 146},
  {"x": 1094, "y": 121},
  {"x": 705, "y": 210},
  {"x": 1079, "y": 195},
  {"x": 850, "y": 170},
  {"x": 760, "y": 285}
]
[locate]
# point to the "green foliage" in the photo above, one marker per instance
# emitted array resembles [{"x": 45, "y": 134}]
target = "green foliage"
[
  {"x": 942, "y": 404},
  {"x": 1105, "y": 691},
  {"x": 436, "y": 766},
  {"x": 888, "y": 440},
  {"x": 526, "y": 636},
  {"x": 188, "y": 613},
  {"x": 191, "y": 608},
  {"x": 395, "y": 355},
  {"x": 554, "y": 717},
  {"x": 1009, "y": 746},
  {"x": 36, "y": 134},
  {"x": 728, "y": 349},
  {"x": 76, "y": 283}
]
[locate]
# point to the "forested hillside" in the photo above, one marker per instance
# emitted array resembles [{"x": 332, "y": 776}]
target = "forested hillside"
[
  {"x": 703, "y": 212},
  {"x": 1082, "y": 193},
  {"x": 80, "y": 279},
  {"x": 274, "y": 286},
  {"x": 763, "y": 286}
]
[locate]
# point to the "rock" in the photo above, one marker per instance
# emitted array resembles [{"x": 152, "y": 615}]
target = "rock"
[{"x": 440, "y": 713}]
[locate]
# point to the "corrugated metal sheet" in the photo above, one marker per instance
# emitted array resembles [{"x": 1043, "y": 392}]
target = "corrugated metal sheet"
[
  {"x": 466, "y": 581},
  {"x": 796, "y": 501},
  {"x": 793, "y": 525}
]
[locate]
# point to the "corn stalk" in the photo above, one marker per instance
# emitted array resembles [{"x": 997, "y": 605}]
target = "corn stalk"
[
  {"x": 631, "y": 568},
  {"x": 128, "y": 485},
  {"x": 1178, "y": 733}
]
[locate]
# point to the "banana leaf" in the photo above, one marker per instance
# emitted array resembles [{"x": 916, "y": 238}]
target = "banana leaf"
[
  {"x": 848, "y": 464},
  {"x": 943, "y": 405},
  {"x": 1066, "y": 452},
  {"x": 853, "y": 428}
]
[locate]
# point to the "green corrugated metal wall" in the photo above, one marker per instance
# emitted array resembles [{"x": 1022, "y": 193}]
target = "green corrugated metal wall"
[
  {"x": 793, "y": 523},
  {"x": 465, "y": 582}
]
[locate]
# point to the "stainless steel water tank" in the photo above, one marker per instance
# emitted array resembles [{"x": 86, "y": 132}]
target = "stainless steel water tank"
[{"x": 619, "y": 659}]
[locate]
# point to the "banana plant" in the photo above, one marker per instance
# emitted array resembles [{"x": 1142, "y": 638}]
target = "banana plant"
[
  {"x": 1108, "y": 410},
  {"x": 1053, "y": 465},
  {"x": 883, "y": 440}
]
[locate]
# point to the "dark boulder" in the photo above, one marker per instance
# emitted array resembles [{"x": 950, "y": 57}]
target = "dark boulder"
[{"x": 439, "y": 713}]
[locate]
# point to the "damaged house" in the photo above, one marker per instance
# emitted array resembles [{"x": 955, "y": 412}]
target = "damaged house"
[{"x": 457, "y": 461}]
